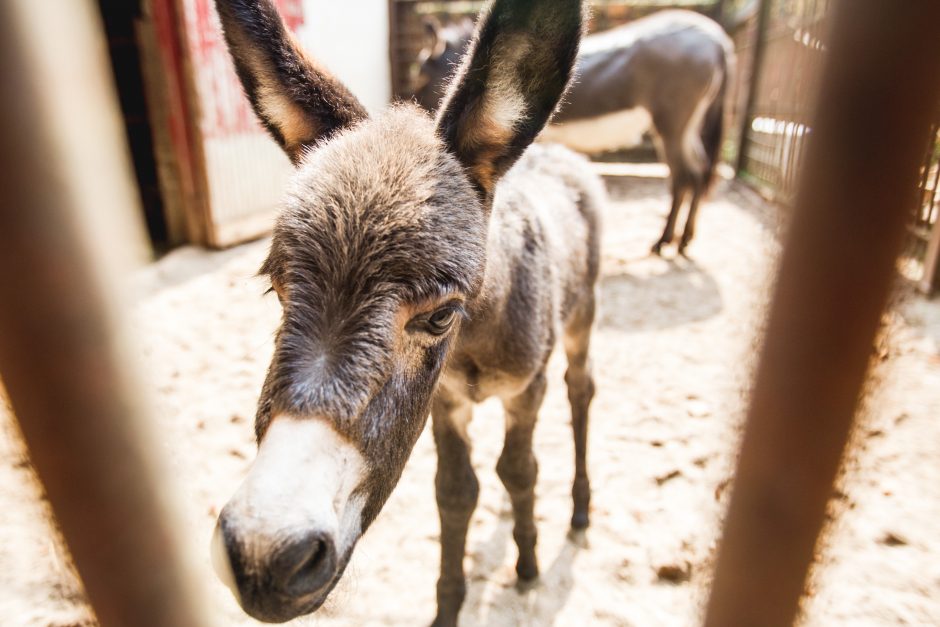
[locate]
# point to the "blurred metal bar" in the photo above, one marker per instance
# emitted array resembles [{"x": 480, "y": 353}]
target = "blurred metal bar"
[
  {"x": 879, "y": 90},
  {"x": 65, "y": 210}
]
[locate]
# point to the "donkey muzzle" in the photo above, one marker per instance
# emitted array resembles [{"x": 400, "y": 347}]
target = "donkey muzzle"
[
  {"x": 292, "y": 576},
  {"x": 283, "y": 539}
]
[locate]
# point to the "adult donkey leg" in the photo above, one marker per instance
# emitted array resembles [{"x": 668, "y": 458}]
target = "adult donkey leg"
[
  {"x": 689, "y": 231},
  {"x": 679, "y": 176},
  {"x": 697, "y": 171},
  {"x": 518, "y": 469},
  {"x": 457, "y": 490},
  {"x": 707, "y": 145},
  {"x": 679, "y": 193},
  {"x": 580, "y": 392}
]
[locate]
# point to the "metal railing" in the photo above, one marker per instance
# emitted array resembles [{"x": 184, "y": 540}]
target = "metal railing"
[{"x": 781, "y": 50}]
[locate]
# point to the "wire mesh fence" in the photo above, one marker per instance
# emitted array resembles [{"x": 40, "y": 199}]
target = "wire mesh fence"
[
  {"x": 789, "y": 48},
  {"x": 922, "y": 253},
  {"x": 782, "y": 49}
]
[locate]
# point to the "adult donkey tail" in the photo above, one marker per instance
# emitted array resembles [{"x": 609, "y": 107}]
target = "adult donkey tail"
[{"x": 713, "y": 126}]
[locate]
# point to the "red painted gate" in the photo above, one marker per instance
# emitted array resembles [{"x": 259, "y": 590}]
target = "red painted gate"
[{"x": 230, "y": 174}]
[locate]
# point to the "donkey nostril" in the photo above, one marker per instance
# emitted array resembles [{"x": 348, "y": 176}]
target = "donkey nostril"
[
  {"x": 309, "y": 572},
  {"x": 307, "y": 565}
]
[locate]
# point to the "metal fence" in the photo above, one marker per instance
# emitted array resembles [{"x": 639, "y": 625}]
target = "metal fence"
[
  {"x": 785, "y": 52},
  {"x": 407, "y": 33},
  {"x": 923, "y": 248},
  {"x": 781, "y": 49},
  {"x": 781, "y": 45}
]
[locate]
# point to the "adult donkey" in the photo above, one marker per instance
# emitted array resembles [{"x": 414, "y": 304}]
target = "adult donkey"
[
  {"x": 417, "y": 273},
  {"x": 671, "y": 69}
]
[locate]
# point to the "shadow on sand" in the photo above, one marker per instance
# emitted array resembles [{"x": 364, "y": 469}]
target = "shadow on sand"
[
  {"x": 682, "y": 293},
  {"x": 545, "y": 598}
]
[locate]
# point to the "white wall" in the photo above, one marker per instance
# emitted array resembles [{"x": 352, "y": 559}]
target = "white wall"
[{"x": 350, "y": 38}]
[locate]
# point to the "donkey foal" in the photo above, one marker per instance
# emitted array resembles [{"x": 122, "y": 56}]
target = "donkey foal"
[{"x": 410, "y": 282}]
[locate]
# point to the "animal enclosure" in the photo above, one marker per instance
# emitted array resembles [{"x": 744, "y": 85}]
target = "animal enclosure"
[
  {"x": 777, "y": 339},
  {"x": 782, "y": 48},
  {"x": 783, "y": 42}
]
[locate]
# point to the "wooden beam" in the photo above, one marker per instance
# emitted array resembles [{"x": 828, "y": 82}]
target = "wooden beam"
[
  {"x": 182, "y": 122},
  {"x": 65, "y": 215},
  {"x": 878, "y": 93}
]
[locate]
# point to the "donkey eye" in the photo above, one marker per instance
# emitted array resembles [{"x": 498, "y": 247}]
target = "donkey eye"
[
  {"x": 441, "y": 320},
  {"x": 276, "y": 288}
]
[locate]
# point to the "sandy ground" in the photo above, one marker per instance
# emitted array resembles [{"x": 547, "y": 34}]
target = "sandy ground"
[{"x": 673, "y": 353}]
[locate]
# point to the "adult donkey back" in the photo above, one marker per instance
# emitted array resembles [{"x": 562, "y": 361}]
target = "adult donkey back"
[
  {"x": 671, "y": 69},
  {"x": 422, "y": 266}
]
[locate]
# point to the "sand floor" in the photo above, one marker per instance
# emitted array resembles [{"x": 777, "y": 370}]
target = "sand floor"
[{"x": 673, "y": 352}]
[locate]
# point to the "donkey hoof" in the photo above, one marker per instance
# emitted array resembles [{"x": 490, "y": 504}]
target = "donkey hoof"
[
  {"x": 578, "y": 538},
  {"x": 580, "y": 521},
  {"x": 525, "y": 585},
  {"x": 527, "y": 568},
  {"x": 444, "y": 621},
  {"x": 657, "y": 248}
]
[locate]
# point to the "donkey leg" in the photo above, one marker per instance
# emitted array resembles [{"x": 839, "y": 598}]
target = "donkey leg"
[
  {"x": 517, "y": 469},
  {"x": 697, "y": 171},
  {"x": 457, "y": 490},
  {"x": 670, "y": 149},
  {"x": 689, "y": 231},
  {"x": 679, "y": 192},
  {"x": 580, "y": 393}
]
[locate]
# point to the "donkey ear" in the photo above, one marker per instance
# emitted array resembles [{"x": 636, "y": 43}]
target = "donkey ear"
[
  {"x": 297, "y": 101},
  {"x": 510, "y": 80},
  {"x": 436, "y": 43}
]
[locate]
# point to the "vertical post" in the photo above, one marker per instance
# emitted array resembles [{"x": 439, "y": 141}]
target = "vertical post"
[
  {"x": 182, "y": 108},
  {"x": 930, "y": 197},
  {"x": 183, "y": 159},
  {"x": 394, "y": 28},
  {"x": 879, "y": 89},
  {"x": 65, "y": 211},
  {"x": 929, "y": 282},
  {"x": 757, "y": 63}
]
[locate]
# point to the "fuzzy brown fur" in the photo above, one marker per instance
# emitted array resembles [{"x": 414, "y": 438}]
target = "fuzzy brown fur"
[{"x": 393, "y": 223}]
